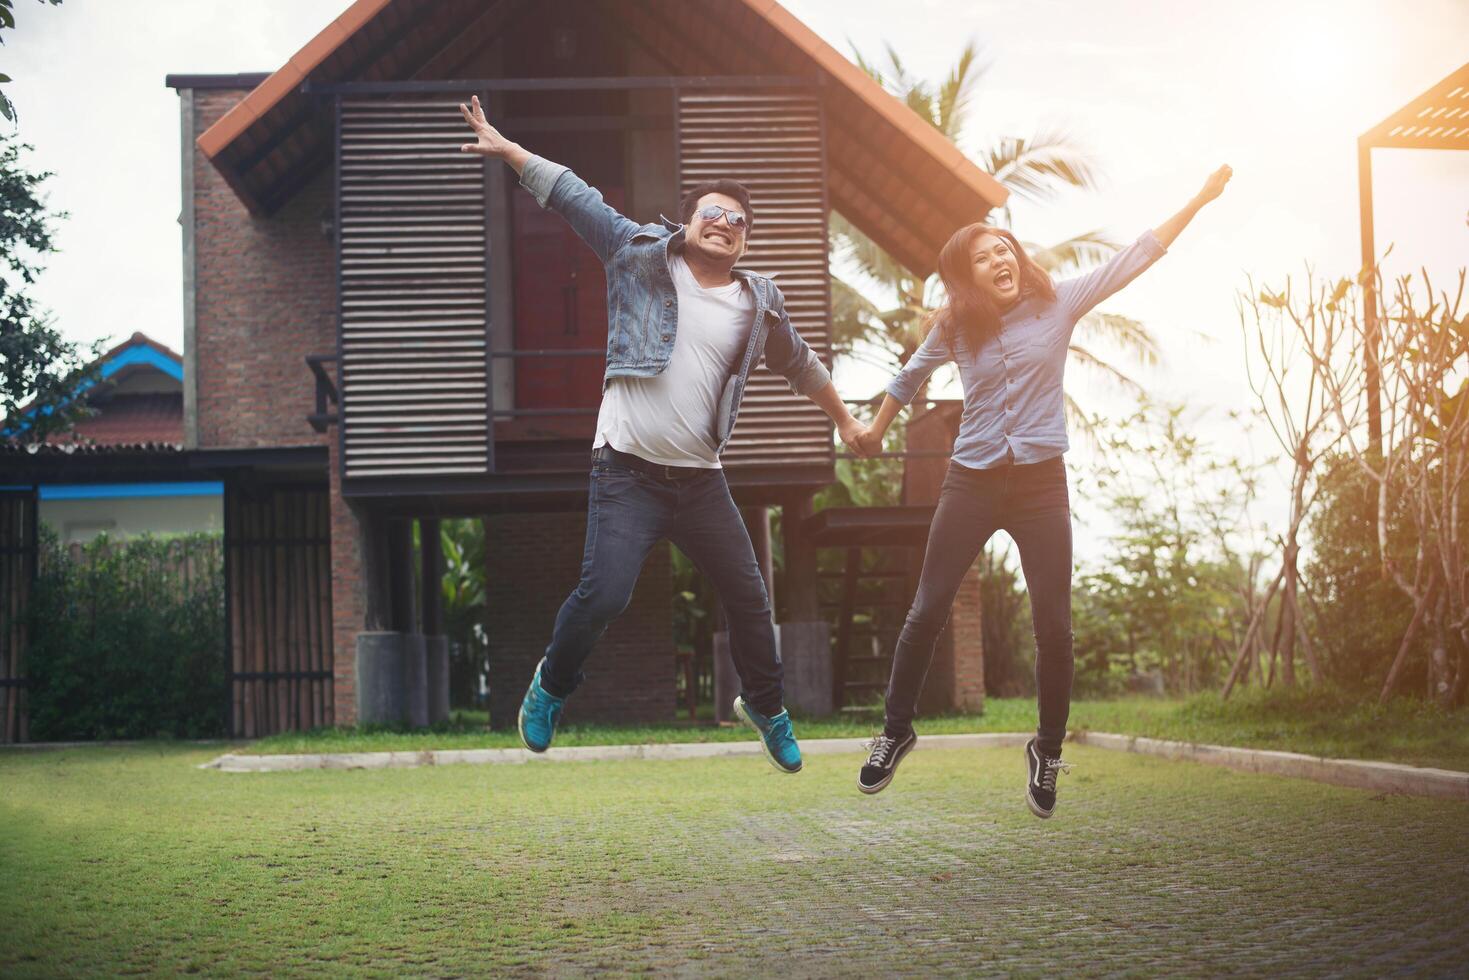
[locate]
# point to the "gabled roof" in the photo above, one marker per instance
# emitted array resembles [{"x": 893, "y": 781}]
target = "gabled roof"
[
  {"x": 892, "y": 174},
  {"x": 140, "y": 349},
  {"x": 150, "y": 419}
]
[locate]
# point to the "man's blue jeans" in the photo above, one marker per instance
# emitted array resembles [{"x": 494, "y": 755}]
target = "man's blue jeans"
[{"x": 628, "y": 512}]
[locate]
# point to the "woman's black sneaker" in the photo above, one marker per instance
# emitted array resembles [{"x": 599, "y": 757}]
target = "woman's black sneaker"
[
  {"x": 884, "y": 754},
  {"x": 1040, "y": 786}
]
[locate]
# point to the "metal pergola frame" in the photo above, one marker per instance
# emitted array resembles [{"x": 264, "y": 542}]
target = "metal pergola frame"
[{"x": 1438, "y": 119}]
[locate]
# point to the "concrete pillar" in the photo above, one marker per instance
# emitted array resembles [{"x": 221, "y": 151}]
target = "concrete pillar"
[
  {"x": 805, "y": 653},
  {"x": 804, "y": 650},
  {"x": 415, "y": 680},
  {"x": 391, "y": 678},
  {"x": 805, "y": 638},
  {"x": 804, "y": 647},
  {"x": 726, "y": 681}
]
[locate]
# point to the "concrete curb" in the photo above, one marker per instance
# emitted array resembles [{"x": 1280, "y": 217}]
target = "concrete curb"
[
  {"x": 128, "y": 743},
  {"x": 587, "y": 753},
  {"x": 1381, "y": 777}
]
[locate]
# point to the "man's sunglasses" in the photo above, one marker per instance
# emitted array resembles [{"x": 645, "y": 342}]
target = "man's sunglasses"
[{"x": 712, "y": 212}]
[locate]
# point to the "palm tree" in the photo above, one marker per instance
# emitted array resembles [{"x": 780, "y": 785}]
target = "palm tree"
[
  {"x": 462, "y": 541},
  {"x": 1035, "y": 169}
]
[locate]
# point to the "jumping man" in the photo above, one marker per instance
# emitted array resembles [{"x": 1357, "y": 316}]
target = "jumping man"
[{"x": 684, "y": 330}]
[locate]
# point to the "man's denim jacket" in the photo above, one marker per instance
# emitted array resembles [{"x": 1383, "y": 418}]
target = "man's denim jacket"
[{"x": 642, "y": 303}]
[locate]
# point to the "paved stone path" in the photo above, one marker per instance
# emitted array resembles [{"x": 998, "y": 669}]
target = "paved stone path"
[{"x": 721, "y": 866}]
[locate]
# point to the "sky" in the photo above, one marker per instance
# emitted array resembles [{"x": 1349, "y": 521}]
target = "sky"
[{"x": 1159, "y": 92}]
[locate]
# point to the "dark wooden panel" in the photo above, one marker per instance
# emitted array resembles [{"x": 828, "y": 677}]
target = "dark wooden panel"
[
  {"x": 413, "y": 291},
  {"x": 773, "y": 142},
  {"x": 278, "y": 574},
  {"x": 17, "y": 578}
]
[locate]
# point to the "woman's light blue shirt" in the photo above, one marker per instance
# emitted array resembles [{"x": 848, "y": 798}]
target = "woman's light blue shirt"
[{"x": 1014, "y": 405}]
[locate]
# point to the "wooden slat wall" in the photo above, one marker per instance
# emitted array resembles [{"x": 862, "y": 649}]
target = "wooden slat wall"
[
  {"x": 278, "y": 557},
  {"x": 413, "y": 274},
  {"x": 772, "y": 142},
  {"x": 17, "y": 567}
]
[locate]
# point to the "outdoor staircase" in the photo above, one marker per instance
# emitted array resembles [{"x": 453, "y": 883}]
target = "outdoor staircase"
[{"x": 860, "y": 666}]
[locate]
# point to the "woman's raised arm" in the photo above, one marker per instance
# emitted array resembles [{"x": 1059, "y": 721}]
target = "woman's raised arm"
[{"x": 1213, "y": 187}]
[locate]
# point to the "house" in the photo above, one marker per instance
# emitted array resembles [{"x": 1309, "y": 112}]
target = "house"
[
  {"x": 121, "y": 470},
  {"x": 140, "y": 404},
  {"x": 380, "y": 330}
]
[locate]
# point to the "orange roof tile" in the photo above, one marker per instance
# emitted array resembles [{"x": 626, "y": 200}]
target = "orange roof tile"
[{"x": 971, "y": 193}]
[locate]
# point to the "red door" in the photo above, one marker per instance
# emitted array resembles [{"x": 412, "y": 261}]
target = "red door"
[{"x": 560, "y": 304}]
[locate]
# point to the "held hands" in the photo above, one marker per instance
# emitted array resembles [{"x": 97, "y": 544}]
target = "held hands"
[
  {"x": 851, "y": 431},
  {"x": 491, "y": 142},
  {"x": 861, "y": 439},
  {"x": 1214, "y": 185},
  {"x": 870, "y": 442}
]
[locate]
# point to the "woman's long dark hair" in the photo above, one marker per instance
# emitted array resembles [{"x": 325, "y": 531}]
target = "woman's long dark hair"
[{"x": 968, "y": 311}]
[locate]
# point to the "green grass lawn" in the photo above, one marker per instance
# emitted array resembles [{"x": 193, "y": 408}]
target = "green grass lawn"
[
  {"x": 133, "y": 861},
  {"x": 1318, "y": 723}
]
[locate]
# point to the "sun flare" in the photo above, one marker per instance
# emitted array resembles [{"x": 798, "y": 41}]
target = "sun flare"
[{"x": 1315, "y": 60}]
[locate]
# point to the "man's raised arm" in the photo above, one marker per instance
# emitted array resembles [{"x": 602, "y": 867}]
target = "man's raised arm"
[{"x": 600, "y": 225}]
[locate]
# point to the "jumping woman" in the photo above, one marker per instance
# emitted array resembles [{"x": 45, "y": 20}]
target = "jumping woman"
[{"x": 1007, "y": 327}]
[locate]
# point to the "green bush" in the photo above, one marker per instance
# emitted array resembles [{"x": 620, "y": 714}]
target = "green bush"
[
  {"x": 1359, "y": 617},
  {"x": 1161, "y": 607},
  {"x": 127, "y": 640}
]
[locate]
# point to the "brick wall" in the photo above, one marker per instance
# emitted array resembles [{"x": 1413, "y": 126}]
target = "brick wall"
[
  {"x": 956, "y": 675},
  {"x": 967, "y": 637},
  {"x": 533, "y": 562},
  {"x": 349, "y": 596},
  {"x": 265, "y": 298}
]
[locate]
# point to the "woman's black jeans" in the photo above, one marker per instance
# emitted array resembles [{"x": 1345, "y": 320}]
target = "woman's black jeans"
[{"x": 1030, "y": 501}]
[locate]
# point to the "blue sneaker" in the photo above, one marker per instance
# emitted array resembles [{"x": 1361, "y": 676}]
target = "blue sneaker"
[
  {"x": 539, "y": 713},
  {"x": 776, "y": 736}
]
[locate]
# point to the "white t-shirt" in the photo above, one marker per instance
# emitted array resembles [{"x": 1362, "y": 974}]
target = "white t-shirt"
[{"x": 669, "y": 418}]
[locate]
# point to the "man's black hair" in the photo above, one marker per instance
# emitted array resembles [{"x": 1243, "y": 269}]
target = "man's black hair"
[{"x": 725, "y": 186}]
